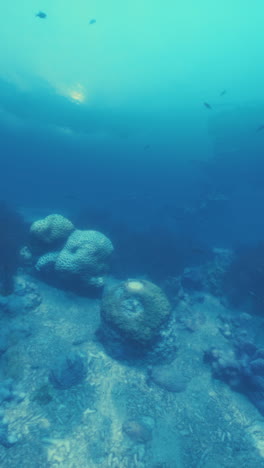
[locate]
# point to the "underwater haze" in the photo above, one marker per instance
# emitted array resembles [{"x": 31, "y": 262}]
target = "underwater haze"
[
  {"x": 115, "y": 109},
  {"x": 132, "y": 234}
]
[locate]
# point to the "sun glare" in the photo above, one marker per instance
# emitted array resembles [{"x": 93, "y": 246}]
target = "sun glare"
[{"x": 77, "y": 95}]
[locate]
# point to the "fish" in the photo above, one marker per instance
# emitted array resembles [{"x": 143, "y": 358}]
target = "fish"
[
  {"x": 207, "y": 105},
  {"x": 253, "y": 294},
  {"x": 199, "y": 251},
  {"x": 41, "y": 14},
  {"x": 223, "y": 92},
  {"x": 92, "y": 21},
  {"x": 260, "y": 128}
]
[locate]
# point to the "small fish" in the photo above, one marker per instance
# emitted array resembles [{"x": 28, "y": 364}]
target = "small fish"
[
  {"x": 199, "y": 250},
  {"x": 223, "y": 92},
  {"x": 260, "y": 128},
  {"x": 41, "y": 14},
  {"x": 253, "y": 294},
  {"x": 207, "y": 105},
  {"x": 70, "y": 196},
  {"x": 92, "y": 21}
]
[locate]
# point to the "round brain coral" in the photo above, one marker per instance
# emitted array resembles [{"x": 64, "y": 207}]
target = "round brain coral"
[
  {"x": 136, "y": 309},
  {"x": 85, "y": 256},
  {"x": 51, "y": 231}
]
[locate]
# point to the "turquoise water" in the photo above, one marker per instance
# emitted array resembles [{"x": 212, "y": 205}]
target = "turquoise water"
[
  {"x": 120, "y": 101},
  {"x": 144, "y": 121}
]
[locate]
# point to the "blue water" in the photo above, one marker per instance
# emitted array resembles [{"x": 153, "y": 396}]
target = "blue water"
[
  {"x": 113, "y": 113},
  {"x": 142, "y": 120}
]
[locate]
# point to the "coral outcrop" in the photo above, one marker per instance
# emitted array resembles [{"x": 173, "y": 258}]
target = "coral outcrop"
[
  {"x": 242, "y": 368},
  {"x": 65, "y": 256},
  {"x": 86, "y": 256},
  {"x": 50, "y": 232},
  {"x": 46, "y": 262},
  {"x": 136, "y": 310}
]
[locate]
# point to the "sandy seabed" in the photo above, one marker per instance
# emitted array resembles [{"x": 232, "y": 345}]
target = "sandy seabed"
[{"x": 206, "y": 425}]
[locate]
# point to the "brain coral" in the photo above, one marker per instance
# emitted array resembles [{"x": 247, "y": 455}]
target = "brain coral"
[
  {"x": 136, "y": 309},
  {"x": 85, "y": 256},
  {"x": 46, "y": 262},
  {"x": 51, "y": 231}
]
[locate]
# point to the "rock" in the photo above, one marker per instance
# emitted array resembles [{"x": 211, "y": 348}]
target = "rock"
[
  {"x": 169, "y": 378},
  {"x": 257, "y": 366},
  {"x": 259, "y": 353},
  {"x": 42, "y": 395},
  {"x": 22, "y": 304},
  {"x": 137, "y": 430},
  {"x": 192, "y": 279},
  {"x": 70, "y": 371}
]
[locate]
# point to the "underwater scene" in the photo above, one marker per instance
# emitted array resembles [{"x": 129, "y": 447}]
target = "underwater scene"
[{"x": 131, "y": 234}]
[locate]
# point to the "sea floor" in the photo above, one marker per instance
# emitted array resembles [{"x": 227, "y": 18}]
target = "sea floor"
[{"x": 205, "y": 425}]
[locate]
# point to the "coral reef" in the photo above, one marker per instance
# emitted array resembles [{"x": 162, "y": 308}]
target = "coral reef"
[
  {"x": 134, "y": 311},
  {"x": 242, "y": 368},
  {"x": 26, "y": 255},
  {"x": 50, "y": 232},
  {"x": 65, "y": 257},
  {"x": 209, "y": 277},
  {"x": 85, "y": 256},
  {"x": 244, "y": 279},
  {"x": 46, "y": 262},
  {"x": 25, "y": 297}
]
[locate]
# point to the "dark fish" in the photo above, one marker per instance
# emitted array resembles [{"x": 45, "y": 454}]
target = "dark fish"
[
  {"x": 92, "y": 21},
  {"x": 199, "y": 251},
  {"x": 71, "y": 196},
  {"x": 207, "y": 105},
  {"x": 223, "y": 92},
  {"x": 41, "y": 14},
  {"x": 253, "y": 294},
  {"x": 261, "y": 127}
]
